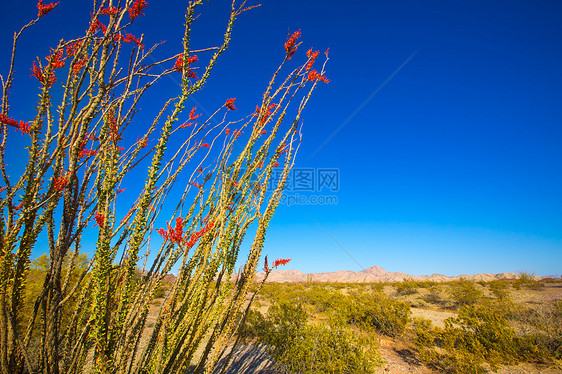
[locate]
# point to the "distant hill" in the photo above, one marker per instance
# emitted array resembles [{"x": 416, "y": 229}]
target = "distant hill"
[{"x": 370, "y": 275}]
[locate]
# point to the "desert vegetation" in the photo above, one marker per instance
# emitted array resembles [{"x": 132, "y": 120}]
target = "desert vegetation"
[
  {"x": 109, "y": 242},
  {"x": 450, "y": 327}
]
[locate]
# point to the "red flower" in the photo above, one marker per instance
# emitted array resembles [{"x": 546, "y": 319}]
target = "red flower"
[
  {"x": 205, "y": 145},
  {"x": 196, "y": 184},
  {"x": 60, "y": 182},
  {"x": 79, "y": 64},
  {"x": 266, "y": 267},
  {"x": 175, "y": 235},
  {"x": 45, "y": 80},
  {"x": 87, "y": 153},
  {"x": 109, "y": 11},
  {"x": 266, "y": 115},
  {"x": 311, "y": 58},
  {"x": 129, "y": 38},
  {"x": 72, "y": 48},
  {"x": 95, "y": 25},
  {"x": 187, "y": 124},
  {"x": 45, "y": 8},
  {"x": 281, "y": 262},
  {"x": 137, "y": 9},
  {"x": 290, "y": 47},
  {"x": 236, "y": 133},
  {"x": 179, "y": 64},
  {"x": 21, "y": 125},
  {"x": 100, "y": 219},
  {"x": 230, "y": 104},
  {"x": 263, "y": 132},
  {"x": 192, "y": 115},
  {"x": 227, "y": 131},
  {"x": 200, "y": 170},
  {"x": 314, "y": 75},
  {"x": 121, "y": 190},
  {"x": 197, "y": 235},
  {"x": 55, "y": 60},
  {"x": 275, "y": 164}
]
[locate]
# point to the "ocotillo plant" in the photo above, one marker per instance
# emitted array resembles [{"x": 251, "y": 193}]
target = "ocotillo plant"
[{"x": 78, "y": 161}]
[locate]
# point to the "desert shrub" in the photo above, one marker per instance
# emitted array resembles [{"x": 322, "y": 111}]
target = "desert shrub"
[
  {"x": 464, "y": 292},
  {"x": 428, "y": 284},
  {"x": 499, "y": 289},
  {"x": 299, "y": 347},
  {"x": 330, "y": 349},
  {"x": 377, "y": 287},
  {"x": 375, "y": 311},
  {"x": 527, "y": 280},
  {"x": 479, "y": 335},
  {"x": 407, "y": 286},
  {"x": 544, "y": 324}
]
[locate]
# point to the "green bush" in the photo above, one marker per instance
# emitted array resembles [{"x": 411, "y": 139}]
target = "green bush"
[
  {"x": 499, "y": 289},
  {"x": 407, "y": 286},
  {"x": 375, "y": 311},
  {"x": 479, "y": 335},
  {"x": 299, "y": 347},
  {"x": 528, "y": 281},
  {"x": 464, "y": 292}
]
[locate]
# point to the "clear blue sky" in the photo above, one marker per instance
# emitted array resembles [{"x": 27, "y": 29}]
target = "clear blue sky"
[{"x": 443, "y": 119}]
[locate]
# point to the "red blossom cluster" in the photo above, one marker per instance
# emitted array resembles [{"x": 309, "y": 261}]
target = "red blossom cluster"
[
  {"x": 60, "y": 182},
  {"x": 311, "y": 58},
  {"x": 129, "y": 38},
  {"x": 79, "y": 64},
  {"x": 55, "y": 60},
  {"x": 109, "y": 11},
  {"x": 137, "y": 9},
  {"x": 73, "y": 47},
  {"x": 21, "y": 125},
  {"x": 45, "y": 79},
  {"x": 95, "y": 25},
  {"x": 314, "y": 75},
  {"x": 178, "y": 66},
  {"x": 100, "y": 219},
  {"x": 192, "y": 115},
  {"x": 45, "y": 8},
  {"x": 230, "y": 104},
  {"x": 278, "y": 262},
  {"x": 86, "y": 152},
  {"x": 267, "y": 113},
  {"x": 290, "y": 47},
  {"x": 205, "y": 145},
  {"x": 175, "y": 235},
  {"x": 196, "y": 184}
]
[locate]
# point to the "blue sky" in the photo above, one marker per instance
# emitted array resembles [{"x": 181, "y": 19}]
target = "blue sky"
[{"x": 443, "y": 119}]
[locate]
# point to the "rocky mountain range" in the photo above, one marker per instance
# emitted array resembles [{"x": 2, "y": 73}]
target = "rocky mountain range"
[{"x": 370, "y": 275}]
